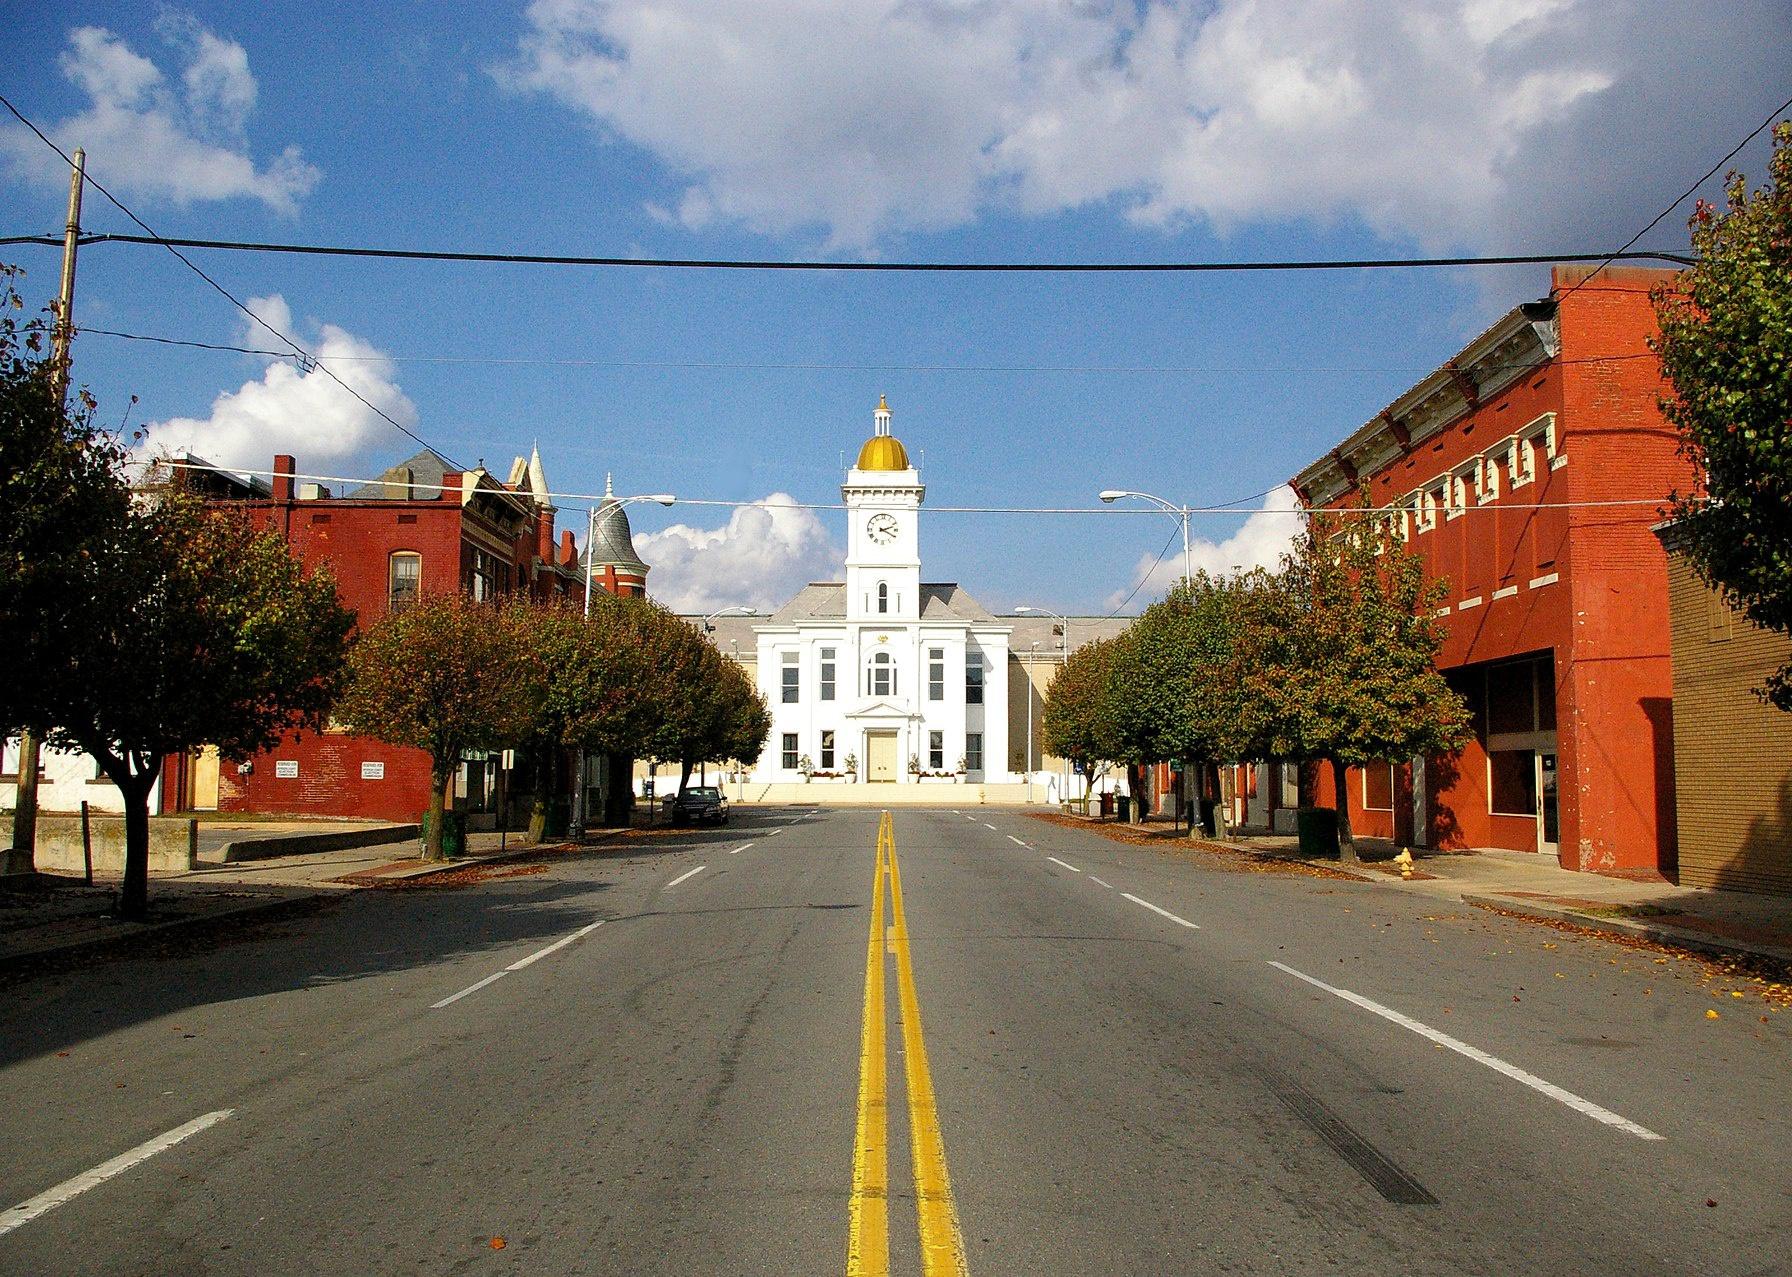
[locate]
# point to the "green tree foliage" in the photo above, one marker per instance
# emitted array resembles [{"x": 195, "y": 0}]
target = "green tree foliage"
[
  {"x": 1349, "y": 674},
  {"x": 199, "y": 631},
  {"x": 708, "y": 709},
  {"x": 1077, "y": 719},
  {"x": 1726, "y": 348},
  {"x": 444, "y": 676},
  {"x": 60, "y": 500}
]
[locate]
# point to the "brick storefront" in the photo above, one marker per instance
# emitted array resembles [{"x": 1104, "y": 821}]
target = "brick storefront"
[{"x": 1526, "y": 473}]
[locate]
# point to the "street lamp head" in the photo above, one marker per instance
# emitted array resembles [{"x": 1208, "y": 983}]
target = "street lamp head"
[
  {"x": 1114, "y": 494},
  {"x": 663, "y": 498},
  {"x": 1022, "y": 611}
]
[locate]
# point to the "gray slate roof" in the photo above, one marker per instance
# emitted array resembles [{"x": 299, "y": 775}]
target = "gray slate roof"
[
  {"x": 826, "y": 601},
  {"x": 426, "y": 469},
  {"x": 614, "y": 544}
]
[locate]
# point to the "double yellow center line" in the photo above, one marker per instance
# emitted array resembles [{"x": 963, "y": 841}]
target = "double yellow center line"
[{"x": 868, "y": 1241}]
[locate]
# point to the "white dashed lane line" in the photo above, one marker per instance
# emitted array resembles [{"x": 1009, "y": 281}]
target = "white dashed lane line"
[
  {"x": 1017, "y": 842},
  {"x": 51, "y": 1198},
  {"x": 1099, "y": 883},
  {"x": 989, "y": 826},
  {"x": 740, "y": 849},
  {"x": 1183, "y": 922},
  {"x": 518, "y": 965},
  {"x": 1573, "y": 1101},
  {"x": 689, "y": 873},
  {"x": 1073, "y": 869}
]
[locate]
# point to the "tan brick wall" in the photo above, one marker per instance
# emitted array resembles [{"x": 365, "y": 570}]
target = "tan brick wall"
[{"x": 1732, "y": 753}]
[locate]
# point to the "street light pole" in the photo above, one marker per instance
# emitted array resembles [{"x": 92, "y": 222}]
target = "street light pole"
[
  {"x": 1181, "y": 513},
  {"x": 1064, "y": 624}
]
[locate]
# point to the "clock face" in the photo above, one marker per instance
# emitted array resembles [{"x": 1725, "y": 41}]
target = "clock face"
[{"x": 881, "y": 528}]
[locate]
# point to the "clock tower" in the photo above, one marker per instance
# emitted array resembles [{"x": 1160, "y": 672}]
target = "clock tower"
[{"x": 883, "y": 494}]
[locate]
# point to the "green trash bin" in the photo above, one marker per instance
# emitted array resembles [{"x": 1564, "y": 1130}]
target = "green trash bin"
[
  {"x": 1318, "y": 829},
  {"x": 454, "y": 833}
]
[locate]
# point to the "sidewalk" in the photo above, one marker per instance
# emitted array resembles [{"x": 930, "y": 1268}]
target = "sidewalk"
[
  {"x": 66, "y": 916},
  {"x": 1725, "y": 923}
]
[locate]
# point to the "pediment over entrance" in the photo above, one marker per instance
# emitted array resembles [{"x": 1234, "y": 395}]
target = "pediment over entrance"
[{"x": 881, "y": 709}]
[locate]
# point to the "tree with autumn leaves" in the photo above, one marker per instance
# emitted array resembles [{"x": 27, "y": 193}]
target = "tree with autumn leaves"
[
  {"x": 630, "y": 679},
  {"x": 1726, "y": 350},
  {"x": 1331, "y": 658}
]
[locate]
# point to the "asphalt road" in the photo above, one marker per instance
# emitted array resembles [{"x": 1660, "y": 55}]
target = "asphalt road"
[{"x": 661, "y": 1062}]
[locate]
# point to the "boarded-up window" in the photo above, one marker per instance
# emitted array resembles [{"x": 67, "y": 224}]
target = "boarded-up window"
[
  {"x": 1512, "y": 777},
  {"x": 1378, "y": 787}
]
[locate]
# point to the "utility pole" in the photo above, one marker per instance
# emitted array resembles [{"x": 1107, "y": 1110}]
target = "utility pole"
[{"x": 21, "y": 859}]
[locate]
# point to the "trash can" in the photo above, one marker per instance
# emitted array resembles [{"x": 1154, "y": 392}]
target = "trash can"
[
  {"x": 1107, "y": 804},
  {"x": 1125, "y": 805},
  {"x": 1318, "y": 830},
  {"x": 454, "y": 833},
  {"x": 1208, "y": 826}
]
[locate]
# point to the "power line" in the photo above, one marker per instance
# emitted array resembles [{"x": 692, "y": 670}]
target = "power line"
[
  {"x": 1115, "y": 512},
  {"x": 1149, "y": 573},
  {"x": 150, "y": 237},
  {"x": 810, "y": 366},
  {"x": 714, "y": 263},
  {"x": 1679, "y": 199}
]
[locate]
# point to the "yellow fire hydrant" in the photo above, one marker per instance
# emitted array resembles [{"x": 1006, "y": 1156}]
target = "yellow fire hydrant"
[{"x": 1404, "y": 860}]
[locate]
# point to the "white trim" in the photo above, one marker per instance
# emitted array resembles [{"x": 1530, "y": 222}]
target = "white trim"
[
  {"x": 1506, "y": 593},
  {"x": 1444, "y": 610},
  {"x": 1556, "y": 463},
  {"x": 1466, "y": 604},
  {"x": 1548, "y": 578}
]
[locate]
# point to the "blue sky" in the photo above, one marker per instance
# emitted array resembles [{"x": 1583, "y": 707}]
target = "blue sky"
[{"x": 926, "y": 129}]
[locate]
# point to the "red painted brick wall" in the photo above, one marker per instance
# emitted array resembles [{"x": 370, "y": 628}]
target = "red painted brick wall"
[
  {"x": 1605, "y": 618},
  {"x": 1616, "y": 685}
]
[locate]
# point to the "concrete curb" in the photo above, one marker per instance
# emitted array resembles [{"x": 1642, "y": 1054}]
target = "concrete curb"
[
  {"x": 1660, "y": 932},
  {"x": 304, "y": 844},
  {"x": 94, "y": 944},
  {"x": 473, "y": 862}
]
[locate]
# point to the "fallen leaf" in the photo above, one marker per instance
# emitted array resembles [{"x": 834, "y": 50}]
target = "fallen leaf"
[
  {"x": 498, "y": 1242},
  {"x": 1711, "y": 1015}
]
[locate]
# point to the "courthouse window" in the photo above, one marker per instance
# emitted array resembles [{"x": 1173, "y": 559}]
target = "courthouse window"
[
  {"x": 973, "y": 751},
  {"x": 973, "y": 682},
  {"x": 936, "y": 673},
  {"x": 827, "y": 751},
  {"x": 792, "y": 676},
  {"x": 883, "y": 675},
  {"x": 936, "y": 750},
  {"x": 827, "y": 674},
  {"x": 789, "y": 753}
]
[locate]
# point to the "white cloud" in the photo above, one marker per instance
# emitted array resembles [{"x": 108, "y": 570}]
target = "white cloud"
[
  {"x": 289, "y": 409},
  {"x": 149, "y": 136},
  {"x": 1260, "y": 543},
  {"x": 1424, "y": 120},
  {"x": 763, "y": 555}
]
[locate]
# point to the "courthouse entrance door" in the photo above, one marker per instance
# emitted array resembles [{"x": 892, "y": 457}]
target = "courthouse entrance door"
[{"x": 880, "y": 757}]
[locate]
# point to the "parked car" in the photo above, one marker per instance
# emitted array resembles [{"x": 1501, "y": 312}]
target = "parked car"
[{"x": 697, "y": 804}]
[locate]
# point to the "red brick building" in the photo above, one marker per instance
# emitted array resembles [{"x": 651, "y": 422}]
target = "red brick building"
[
  {"x": 421, "y": 528},
  {"x": 1557, "y": 606}
]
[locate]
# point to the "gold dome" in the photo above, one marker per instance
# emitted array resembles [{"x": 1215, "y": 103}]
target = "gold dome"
[{"x": 883, "y": 452}]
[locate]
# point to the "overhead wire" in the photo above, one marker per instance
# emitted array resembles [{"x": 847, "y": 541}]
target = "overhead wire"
[
  {"x": 810, "y": 366},
  {"x": 299, "y": 351},
  {"x": 1681, "y": 198},
  {"x": 1227, "y": 509},
  {"x": 824, "y": 264}
]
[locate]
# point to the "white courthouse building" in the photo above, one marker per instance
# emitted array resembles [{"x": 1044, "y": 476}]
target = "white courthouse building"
[{"x": 884, "y": 678}]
